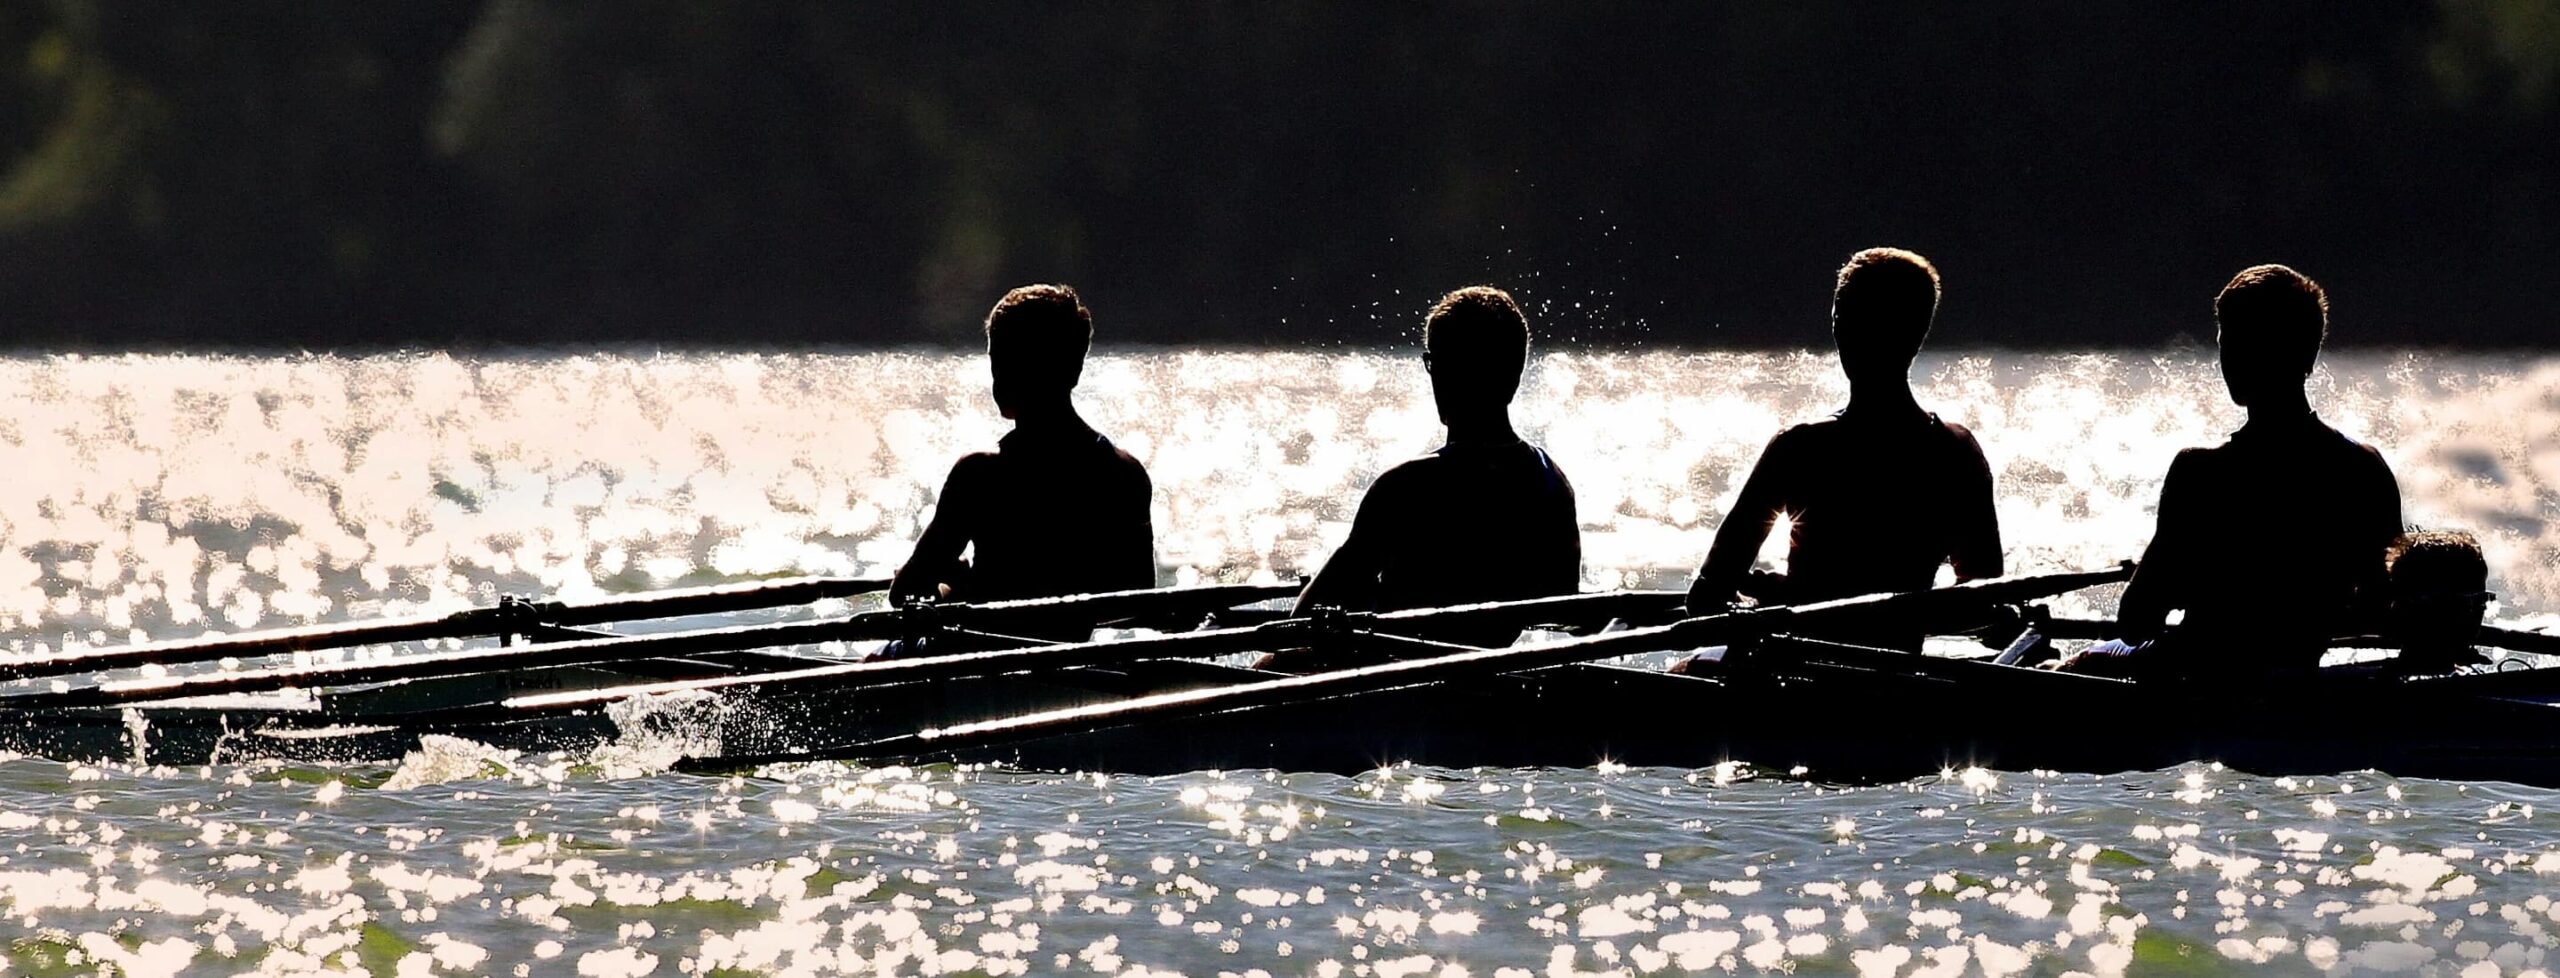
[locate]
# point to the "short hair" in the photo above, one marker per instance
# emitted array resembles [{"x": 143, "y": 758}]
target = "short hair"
[
  {"x": 2274, "y": 310},
  {"x": 1477, "y": 336},
  {"x": 1887, "y": 289},
  {"x": 1047, "y": 323},
  {"x": 2437, "y": 561}
]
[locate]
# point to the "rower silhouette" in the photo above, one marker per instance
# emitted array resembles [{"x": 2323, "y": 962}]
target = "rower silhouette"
[
  {"x": 2272, "y": 542},
  {"x": 1055, "y": 509},
  {"x": 1881, "y": 494},
  {"x": 1485, "y": 517}
]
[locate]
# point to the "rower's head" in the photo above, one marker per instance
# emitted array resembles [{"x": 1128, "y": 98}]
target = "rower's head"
[
  {"x": 1475, "y": 342},
  {"x": 1037, "y": 336},
  {"x": 1881, "y": 308},
  {"x": 2271, "y": 320},
  {"x": 2439, "y": 589}
]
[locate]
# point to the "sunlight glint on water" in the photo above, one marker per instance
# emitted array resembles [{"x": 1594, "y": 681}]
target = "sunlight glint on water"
[{"x": 165, "y": 496}]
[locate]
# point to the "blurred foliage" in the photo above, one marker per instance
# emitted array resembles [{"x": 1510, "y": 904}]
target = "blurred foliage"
[
  {"x": 2499, "y": 52},
  {"x": 305, "y": 173}
]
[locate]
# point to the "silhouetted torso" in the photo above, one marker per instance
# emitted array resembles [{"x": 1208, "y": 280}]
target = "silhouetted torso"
[
  {"x": 2266, "y": 541},
  {"x": 1877, "y": 502},
  {"x": 1052, "y": 512},
  {"x": 1470, "y": 522}
]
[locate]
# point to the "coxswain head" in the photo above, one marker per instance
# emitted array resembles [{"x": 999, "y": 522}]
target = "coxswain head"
[
  {"x": 1475, "y": 342},
  {"x": 1881, "y": 308},
  {"x": 2438, "y": 592},
  {"x": 2271, "y": 321},
  {"x": 1037, "y": 336}
]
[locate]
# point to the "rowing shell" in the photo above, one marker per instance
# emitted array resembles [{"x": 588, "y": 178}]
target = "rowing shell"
[{"x": 1838, "y": 713}]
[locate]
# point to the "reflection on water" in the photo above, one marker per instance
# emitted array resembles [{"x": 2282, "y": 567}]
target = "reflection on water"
[
  {"x": 469, "y": 863},
  {"x": 170, "y": 495}
]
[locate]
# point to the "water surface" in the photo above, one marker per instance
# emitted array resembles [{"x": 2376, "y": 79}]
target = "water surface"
[{"x": 166, "y": 496}]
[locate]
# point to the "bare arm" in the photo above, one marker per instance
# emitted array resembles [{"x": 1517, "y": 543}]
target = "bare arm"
[
  {"x": 2167, "y": 564},
  {"x": 1349, "y": 579},
  {"x": 1976, "y": 553},
  {"x": 1132, "y": 565},
  {"x": 2373, "y": 597},
  {"x": 1738, "y": 538},
  {"x": 936, "y": 559},
  {"x": 1570, "y": 530}
]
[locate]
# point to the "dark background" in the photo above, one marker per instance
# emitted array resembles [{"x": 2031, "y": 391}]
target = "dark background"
[{"x": 354, "y": 175}]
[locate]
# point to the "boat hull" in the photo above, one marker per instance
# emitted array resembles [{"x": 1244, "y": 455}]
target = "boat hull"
[{"x": 1835, "y": 713}]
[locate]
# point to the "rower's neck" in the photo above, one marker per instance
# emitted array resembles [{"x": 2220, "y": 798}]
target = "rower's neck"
[
  {"x": 1493, "y": 428},
  {"x": 1050, "y": 417},
  {"x": 1883, "y": 400},
  {"x": 2283, "y": 404}
]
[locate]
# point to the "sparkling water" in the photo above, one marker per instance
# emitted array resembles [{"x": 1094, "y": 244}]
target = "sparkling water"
[{"x": 158, "y": 497}]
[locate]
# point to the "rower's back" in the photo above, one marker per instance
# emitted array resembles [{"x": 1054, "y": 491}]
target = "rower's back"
[
  {"x": 1878, "y": 497},
  {"x": 1874, "y": 501},
  {"x": 1053, "y": 512},
  {"x": 1056, "y": 509},
  {"x": 1488, "y": 520},
  {"x": 2274, "y": 541},
  {"x": 1485, "y": 517}
]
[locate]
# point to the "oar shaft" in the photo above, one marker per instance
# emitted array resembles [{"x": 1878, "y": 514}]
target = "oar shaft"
[
  {"x": 276, "y": 642},
  {"x": 1438, "y": 664},
  {"x": 2519, "y": 640},
  {"x": 1532, "y": 611},
  {"x": 715, "y": 599},
  {"x": 1268, "y": 637},
  {"x": 874, "y": 625},
  {"x": 1932, "y": 606},
  {"x": 453, "y": 662},
  {"x": 876, "y": 672}
]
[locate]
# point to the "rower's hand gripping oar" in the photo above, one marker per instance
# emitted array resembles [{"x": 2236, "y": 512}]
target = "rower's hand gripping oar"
[{"x": 1926, "y": 608}]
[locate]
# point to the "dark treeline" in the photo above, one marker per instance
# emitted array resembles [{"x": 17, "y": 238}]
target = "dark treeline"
[{"x": 354, "y": 175}]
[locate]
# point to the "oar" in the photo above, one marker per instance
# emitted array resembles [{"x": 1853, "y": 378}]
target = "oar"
[
  {"x": 1529, "y": 611},
  {"x": 507, "y": 615},
  {"x": 895, "y": 623},
  {"x": 1928, "y": 609},
  {"x": 2519, "y": 640},
  {"x": 1070, "y": 655}
]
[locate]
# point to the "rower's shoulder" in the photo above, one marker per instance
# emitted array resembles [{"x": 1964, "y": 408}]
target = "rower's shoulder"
[
  {"x": 2194, "y": 460},
  {"x": 2371, "y": 467},
  {"x": 1957, "y": 431},
  {"x": 2351, "y": 454},
  {"x": 977, "y": 466},
  {"x": 2362, "y": 451},
  {"x": 1119, "y": 458},
  {"x": 1806, "y": 434}
]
